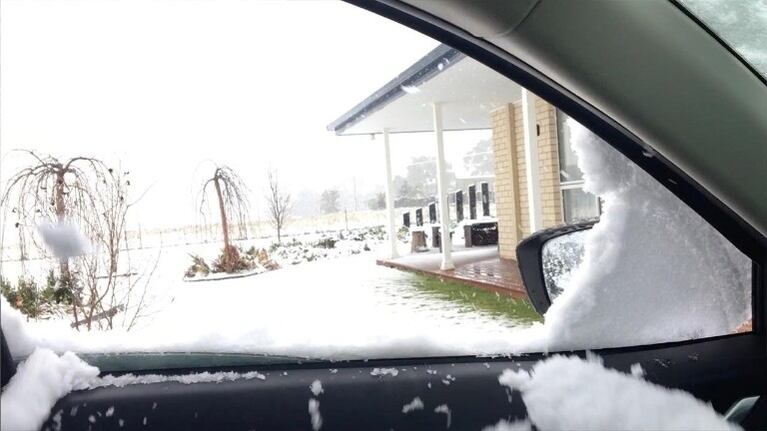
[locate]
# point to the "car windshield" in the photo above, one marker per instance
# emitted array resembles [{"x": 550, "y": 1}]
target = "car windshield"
[
  {"x": 741, "y": 24},
  {"x": 245, "y": 182}
]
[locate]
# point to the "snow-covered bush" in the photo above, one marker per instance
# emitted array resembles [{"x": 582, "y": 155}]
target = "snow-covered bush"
[{"x": 34, "y": 300}]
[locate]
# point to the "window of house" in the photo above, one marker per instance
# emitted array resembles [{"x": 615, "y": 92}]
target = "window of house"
[{"x": 576, "y": 203}]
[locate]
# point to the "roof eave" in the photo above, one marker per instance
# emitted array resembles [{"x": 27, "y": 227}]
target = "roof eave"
[{"x": 420, "y": 72}]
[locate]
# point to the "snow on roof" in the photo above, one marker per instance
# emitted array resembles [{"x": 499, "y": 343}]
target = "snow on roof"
[{"x": 467, "y": 89}]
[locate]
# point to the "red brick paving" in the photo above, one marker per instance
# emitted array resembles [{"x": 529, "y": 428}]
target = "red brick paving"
[{"x": 497, "y": 275}]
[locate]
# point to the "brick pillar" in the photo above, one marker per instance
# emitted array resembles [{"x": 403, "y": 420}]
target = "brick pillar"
[
  {"x": 548, "y": 164},
  {"x": 511, "y": 173},
  {"x": 506, "y": 181}
]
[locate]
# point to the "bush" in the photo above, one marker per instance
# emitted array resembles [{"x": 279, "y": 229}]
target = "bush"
[
  {"x": 57, "y": 290},
  {"x": 326, "y": 242},
  {"x": 199, "y": 266},
  {"x": 231, "y": 260},
  {"x": 25, "y": 296}
]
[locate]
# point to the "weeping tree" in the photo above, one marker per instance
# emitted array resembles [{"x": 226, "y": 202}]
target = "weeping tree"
[
  {"x": 232, "y": 197},
  {"x": 65, "y": 191},
  {"x": 82, "y": 192}
]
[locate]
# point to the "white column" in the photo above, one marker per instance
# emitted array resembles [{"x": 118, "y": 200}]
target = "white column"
[
  {"x": 444, "y": 216},
  {"x": 390, "y": 230},
  {"x": 531, "y": 160}
]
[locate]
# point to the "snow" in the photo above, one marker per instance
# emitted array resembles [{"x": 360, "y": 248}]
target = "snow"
[
  {"x": 39, "y": 382},
  {"x": 653, "y": 271},
  {"x": 431, "y": 260},
  {"x": 316, "y": 388},
  {"x": 410, "y": 89},
  {"x": 187, "y": 379},
  {"x": 63, "y": 239},
  {"x": 444, "y": 409},
  {"x": 314, "y": 414},
  {"x": 637, "y": 370},
  {"x": 504, "y": 425},
  {"x": 393, "y": 316},
  {"x": 384, "y": 371},
  {"x": 416, "y": 404},
  {"x": 565, "y": 393}
]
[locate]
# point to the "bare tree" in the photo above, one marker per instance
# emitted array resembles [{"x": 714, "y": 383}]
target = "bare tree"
[
  {"x": 278, "y": 202},
  {"x": 233, "y": 203}
]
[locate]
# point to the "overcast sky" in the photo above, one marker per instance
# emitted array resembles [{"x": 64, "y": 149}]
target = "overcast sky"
[{"x": 168, "y": 87}]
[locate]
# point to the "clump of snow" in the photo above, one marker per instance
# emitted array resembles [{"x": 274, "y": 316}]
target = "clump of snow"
[
  {"x": 416, "y": 404},
  {"x": 314, "y": 414},
  {"x": 561, "y": 393},
  {"x": 637, "y": 370},
  {"x": 20, "y": 341},
  {"x": 653, "y": 270},
  {"x": 205, "y": 377},
  {"x": 444, "y": 409},
  {"x": 410, "y": 89},
  {"x": 63, "y": 239},
  {"x": 384, "y": 371},
  {"x": 39, "y": 382},
  {"x": 316, "y": 388},
  {"x": 504, "y": 425}
]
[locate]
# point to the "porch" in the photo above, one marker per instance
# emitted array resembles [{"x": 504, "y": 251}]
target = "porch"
[{"x": 480, "y": 267}]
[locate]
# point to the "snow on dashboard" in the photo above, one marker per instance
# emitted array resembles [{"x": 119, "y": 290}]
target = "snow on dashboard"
[
  {"x": 565, "y": 393},
  {"x": 39, "y": 382}
]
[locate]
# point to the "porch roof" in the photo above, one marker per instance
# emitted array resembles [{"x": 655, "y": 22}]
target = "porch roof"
[{"x": 466, "y": 89}]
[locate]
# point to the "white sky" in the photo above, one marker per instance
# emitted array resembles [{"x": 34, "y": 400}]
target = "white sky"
[{"x": 163, "y": 86}]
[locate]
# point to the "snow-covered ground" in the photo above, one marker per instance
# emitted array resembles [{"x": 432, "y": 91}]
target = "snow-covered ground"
[{"x": 345, "y": 307}]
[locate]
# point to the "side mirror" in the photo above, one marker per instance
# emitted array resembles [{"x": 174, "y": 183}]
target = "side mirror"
[{"x": 546, "y": 260}]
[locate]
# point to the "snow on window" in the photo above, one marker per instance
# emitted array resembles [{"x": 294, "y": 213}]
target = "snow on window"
[
  {"x": 416, "y": 404},
  {"x": 743, "y": 25},
  {"x": 39, "y": 382},
  {"x": 625, "y": 401},
  {"x": 652, "y": 270},
  {"x": 63, "y": 239}
]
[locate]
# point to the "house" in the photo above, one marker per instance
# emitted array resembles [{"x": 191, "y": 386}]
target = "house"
[{"x": 537, "y": 181}]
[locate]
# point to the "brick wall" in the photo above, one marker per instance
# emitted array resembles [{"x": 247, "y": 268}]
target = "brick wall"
[{"x": 510, "y": 173}]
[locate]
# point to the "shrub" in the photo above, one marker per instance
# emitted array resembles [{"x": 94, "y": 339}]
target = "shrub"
[
  {"x": 199, "y": 266},
  {"x": 326, "y": 242},
  {"x": 232, "y": 260},
  {"x": 25, "y": 296}
]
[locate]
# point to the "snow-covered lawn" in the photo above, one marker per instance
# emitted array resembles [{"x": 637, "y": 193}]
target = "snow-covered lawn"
[{"x": 346, "y": 307}]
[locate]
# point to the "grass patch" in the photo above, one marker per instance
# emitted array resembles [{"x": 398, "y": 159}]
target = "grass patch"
[{"x": 475, "y": 299}]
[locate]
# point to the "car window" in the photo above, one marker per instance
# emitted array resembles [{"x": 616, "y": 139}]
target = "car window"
[
  {"x": 742, "y": 25},
  {"x": 241, "y": 178}
]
